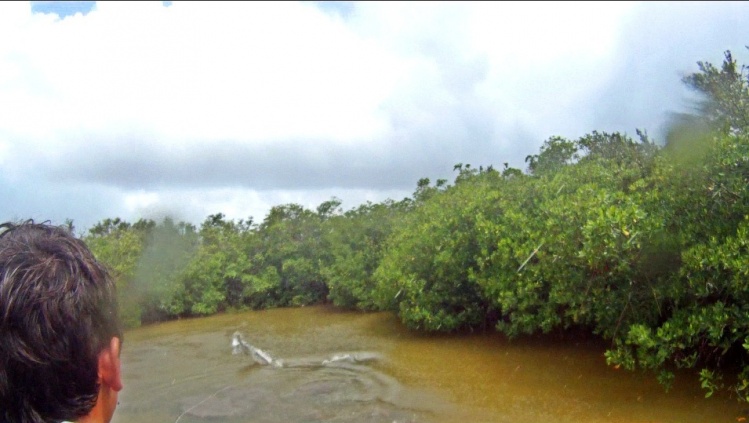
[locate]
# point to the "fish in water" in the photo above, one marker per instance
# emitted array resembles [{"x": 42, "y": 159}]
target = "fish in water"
[{"x": 239, "y": 345}]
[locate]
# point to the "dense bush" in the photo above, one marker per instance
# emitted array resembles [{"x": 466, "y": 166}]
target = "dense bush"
[
  {"x": 424, "y": 274},
  {"x": 356, "y": 241}
]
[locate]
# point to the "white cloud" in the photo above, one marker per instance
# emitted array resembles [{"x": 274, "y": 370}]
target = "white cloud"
[{"x": 204, "y": 72}]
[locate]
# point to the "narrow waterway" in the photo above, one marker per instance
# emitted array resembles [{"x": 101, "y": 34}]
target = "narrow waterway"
[{"x": 184, "y": 372}]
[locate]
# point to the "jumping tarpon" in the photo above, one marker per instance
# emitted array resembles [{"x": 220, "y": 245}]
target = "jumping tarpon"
[{"x": 239, "y": 345}]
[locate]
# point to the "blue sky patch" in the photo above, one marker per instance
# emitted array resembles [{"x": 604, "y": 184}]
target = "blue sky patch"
[{"x": 62, "y": 8}]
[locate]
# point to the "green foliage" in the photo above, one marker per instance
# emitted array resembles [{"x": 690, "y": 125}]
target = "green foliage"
[
  {"x": 725, "y": 95},
  {"x": 356, "y": 241},
  {"x": 217, "y": 276},
  {"x": 564, "y": 249},
  {"x": 425, "y": 272},
  {"x": 119, "y": 245},
  {"x": 291, "y": 241},
  {"x": 556, "y": 152}
]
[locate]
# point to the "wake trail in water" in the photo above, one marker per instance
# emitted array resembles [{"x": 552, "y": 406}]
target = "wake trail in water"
[{"x": 341, "y": 387}]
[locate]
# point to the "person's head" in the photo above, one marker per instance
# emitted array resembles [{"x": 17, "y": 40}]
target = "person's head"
[{"x": 60, "y": 332}]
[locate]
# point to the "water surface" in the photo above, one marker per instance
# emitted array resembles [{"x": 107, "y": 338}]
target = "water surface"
[{"x": 184, "y": 372}]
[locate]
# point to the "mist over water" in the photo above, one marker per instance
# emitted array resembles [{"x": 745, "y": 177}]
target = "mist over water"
[{"x": 184, "y": 372}]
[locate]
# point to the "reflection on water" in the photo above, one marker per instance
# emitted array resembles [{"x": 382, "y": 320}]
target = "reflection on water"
[{"x": 185, "y": 372}]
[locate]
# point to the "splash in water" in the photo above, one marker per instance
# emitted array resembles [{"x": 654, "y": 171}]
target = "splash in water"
[{"x": 240, "y": 346}]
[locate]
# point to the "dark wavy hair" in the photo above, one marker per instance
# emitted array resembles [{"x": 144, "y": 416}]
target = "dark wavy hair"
[{"x": 58, "y": 311}]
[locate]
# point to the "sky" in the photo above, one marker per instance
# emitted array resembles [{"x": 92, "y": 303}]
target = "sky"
[{"x": 146, "y": 110}]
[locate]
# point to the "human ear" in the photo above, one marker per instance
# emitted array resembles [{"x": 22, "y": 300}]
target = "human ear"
[{"x": 109, "y": 365}]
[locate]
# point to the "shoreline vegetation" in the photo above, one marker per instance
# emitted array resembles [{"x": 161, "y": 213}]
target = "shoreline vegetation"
[{"x": 644, "y": 245}]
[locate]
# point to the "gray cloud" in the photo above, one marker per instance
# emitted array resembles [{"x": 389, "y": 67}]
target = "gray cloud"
[{"x": 301, "y": 164}]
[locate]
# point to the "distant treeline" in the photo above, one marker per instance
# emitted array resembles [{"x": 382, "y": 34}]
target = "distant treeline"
[{"x": 641, "y": 244}]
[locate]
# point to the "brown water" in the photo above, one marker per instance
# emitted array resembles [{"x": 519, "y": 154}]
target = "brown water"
[{"x": 185, "y": 372}]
